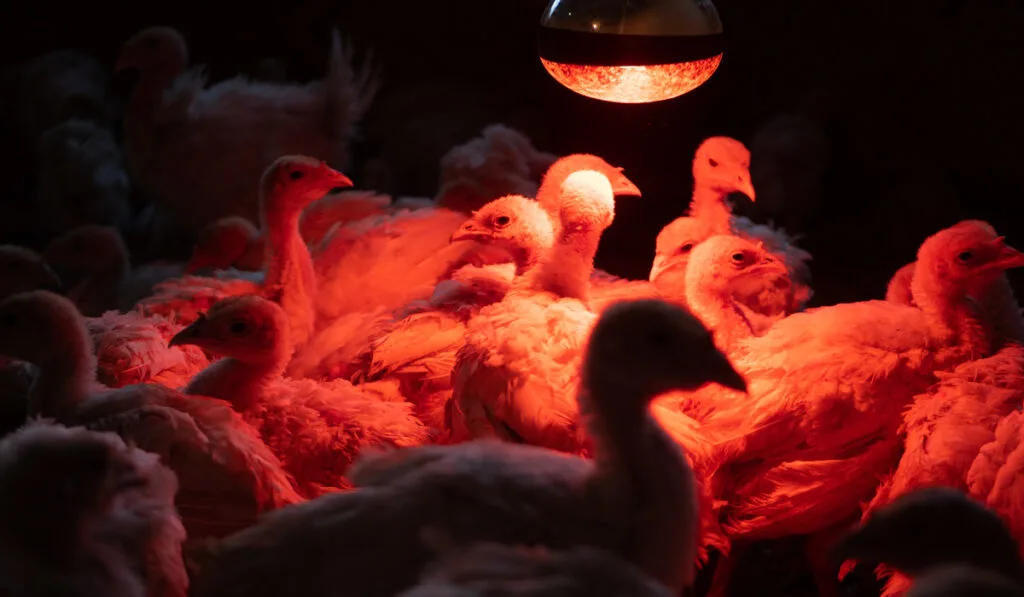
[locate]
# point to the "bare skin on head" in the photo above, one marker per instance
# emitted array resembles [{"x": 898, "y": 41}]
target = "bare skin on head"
[
  {"x": 720, "y": 267},
  {"x": 517, "y": 223},
  {"x": 721, "y": 166}
]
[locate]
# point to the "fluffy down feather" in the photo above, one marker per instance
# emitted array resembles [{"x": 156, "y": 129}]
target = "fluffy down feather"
[
  {"x": 199, "y": 151},
  {"x": 995, "y": 476},
  {"x": 227, "y": 476},
  {"x": 95, "y": 517},
  {"x": 315, "y": 428},
  {"x": 131, "y": 349}
]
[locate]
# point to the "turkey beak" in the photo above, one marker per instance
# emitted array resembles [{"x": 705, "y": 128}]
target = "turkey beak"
[
  {"x": 337, "y": 180},
  {"x": 721, "y": 371},
  {"x": 660, "y": 264},
  {"x": 1009, "y": 258},
  {"x": 625, "y": 186},
  {"x": 769, "y": 266},
  {"x": 468, "y": 231},
  {"x": 191, "y": 334},
  {"x": 746, "y": 186}
]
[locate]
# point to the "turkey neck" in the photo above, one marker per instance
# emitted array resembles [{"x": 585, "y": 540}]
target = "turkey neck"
[
  {"x": 952, "y": 315},
  {"x": 236, "y": 381},
  {"x": 525, "y": 258},
  {"x": 709, "y": 206},
  {"x": 565, "y": 271},
  {"x": 640, "y": 464},
  {"x": 289, "y": 276},
  {"x": 719, "y": 312},
  {"x": 66, "y": 377}
]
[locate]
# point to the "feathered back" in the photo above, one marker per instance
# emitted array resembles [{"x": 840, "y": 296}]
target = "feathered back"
[{"x": 96, "y": 517}]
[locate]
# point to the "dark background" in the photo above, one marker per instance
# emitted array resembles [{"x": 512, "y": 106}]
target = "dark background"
[{"x": 918, "y": 100}]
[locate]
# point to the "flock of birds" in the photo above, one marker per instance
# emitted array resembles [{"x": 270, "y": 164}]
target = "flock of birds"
[{"x": 341, "y": 393}]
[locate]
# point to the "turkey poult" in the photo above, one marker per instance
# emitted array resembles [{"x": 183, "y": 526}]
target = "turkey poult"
[
  {"x": 316, "y": 428},
  {"x": 934, "y": 528},
  {"x": 958, "y": 581},
  {"x": 721, "y": 265},
  {"x": 495, "y": 570},
  {"x": 22, "y": 270},
  {"x": 227, "y": 476},
  {"x": 87, "y": 516},
  {"x": 636, "y": 499},
  {"x": 721, "y": 166},
  {"x": 196, "y": 149},
  {"x": 287, "y": 186},
  {"x": 228, "y": 242}
]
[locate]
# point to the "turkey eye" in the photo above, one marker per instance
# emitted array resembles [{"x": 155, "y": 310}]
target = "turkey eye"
[
  {"x": 738, "y": 257},
  {"x": 238, "y": 327},
  {"x": 502, "y": 221},
  {"x": 713, "y": 162},
  {"x": 964, "y": 256},
  {"x": 10, "y": 320},
  {"x": 14, "y": 265},
  {"x": 151, "y": 43},
  {"x": 295, "y": 174},
  {"x": 686, "y": 248}
]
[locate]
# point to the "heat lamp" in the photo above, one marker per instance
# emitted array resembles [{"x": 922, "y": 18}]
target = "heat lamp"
[{"x": 631, "y": 51}]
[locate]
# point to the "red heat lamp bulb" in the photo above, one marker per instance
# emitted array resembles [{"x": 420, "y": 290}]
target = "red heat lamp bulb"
[{"x": 631, "y": 51}]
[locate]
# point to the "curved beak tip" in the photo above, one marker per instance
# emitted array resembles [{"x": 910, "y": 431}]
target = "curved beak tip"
[
  {"x": 727, "y": 376},
  {"x": 184, "y": 337},
  {"x": 656, "y": 268},
  {"x": 627, "y": 188},
  {"x": 1011, "y": 258}
]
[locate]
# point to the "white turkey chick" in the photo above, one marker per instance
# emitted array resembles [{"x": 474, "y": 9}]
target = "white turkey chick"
[
  {"x": 636, "y": 499},
  {"x": 501, "y": 161},
  {"x": 86, "y": 516},
  {"x": 95, "y": 270},
  {"x": 81, "y": 178},
  {"x": 231, "y": 242},
  {"x": 92, "y": 262},
  {"x": 932, "y": 529},
  {"x": 496, "y": 570},
  {"x": 21, "y": 270},
  {"x": 235, "y": 242},
  {"x": 316, "y": 428},
  {"x": 227, "y": 477},
  {"x": 199, "y": 151},
  {"x": 286, "y": 187}
]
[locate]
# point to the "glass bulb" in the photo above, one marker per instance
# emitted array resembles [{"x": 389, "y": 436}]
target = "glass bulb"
[{"x": 631, "y": 51}]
